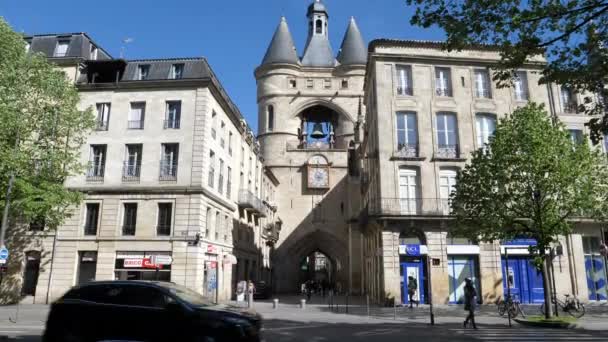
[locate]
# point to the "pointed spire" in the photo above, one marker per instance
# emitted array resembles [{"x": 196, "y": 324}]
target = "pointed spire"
[
  {"x": 318, "y": 51},
  {"x": 281, "y": 48},
  {"x": 353, "y": 50}
]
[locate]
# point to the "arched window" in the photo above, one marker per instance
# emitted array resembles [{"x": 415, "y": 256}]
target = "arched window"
[
  {"x": 270, "y": 118},
  {"x": 411, "y": 237},
  {"x": 319, "y": 26}
]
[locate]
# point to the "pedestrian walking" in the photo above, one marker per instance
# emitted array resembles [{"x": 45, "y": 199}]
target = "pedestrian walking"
[
  {"x": 412, "y": 287},
  {"x": 469, "y": 302},
  {"x": 309, "y": 286},
  {"x": 324, "y": 286}
]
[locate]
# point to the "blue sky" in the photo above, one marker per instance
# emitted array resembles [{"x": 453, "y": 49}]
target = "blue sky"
[{"x": 232, "y": 34}]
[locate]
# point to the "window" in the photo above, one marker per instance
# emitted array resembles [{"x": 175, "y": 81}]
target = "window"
[
  {"x": 407, "y": 135},
  {"x": 61, "y": 49},
  {"x": 408, "y": 192},
  {"x": 443, "y": 82},
  {"x": 482, "y": 84},
  {"x": 37, "y": 225},
  {"x": 569, "y": 102},
  {"x": 103, "y": 116},
  {"x": 344, "y": 84},
  {"x": 97, "y": 162},
  {"x": 132, "y": 166},
  {"x": 447, "y": 136},
  {"x": 91, "y": 219},
  {"x": 250, "y": 166},
  {"x": 270, "y": 118},
  {"x": 309, "y": 83},
  {"x": 173, "y": 114},
  {"x": 211, "y": 169},
  {"x": 242, "y": 180},
  {"x": 177, "y": 71},
  {"x": 163, "y": 226},
  {"x": 142, "y": 71},
  {"x": 404, "y": 80},
  {"x": 93, "y": 52},
  {"x": 292, "y": 83},
  {"x": 208, "y": 223},
  {"x": 327, "y": 83},
  {"x": 129, "y": 220},
  {"x": 226, "y": 228},
  {"x": 220, "y": 183},
  {"x": 169, "y": 161},
  {"x": 213, "y": 124},
  {"x": 447, "y": 184},
  {"x": 230, "y": 143},
  {"x": 486, "y": 125},
  {"x": 520, "y": 85},
  {"x": 242, "y": 158},
  {"x": 222, "y": 134},
  {"x": 229, "y": 182},
  {"x": 218, "y": 224},
  {"x": 137, "y": 115},
  {"x": 319, "y": 26},
  {"x": 576, "y": 136}
]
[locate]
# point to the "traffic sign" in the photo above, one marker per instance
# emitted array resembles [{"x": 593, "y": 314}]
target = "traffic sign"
[
  {"x": 3, "y": 253},
  {"x": 161, "y": 259}
]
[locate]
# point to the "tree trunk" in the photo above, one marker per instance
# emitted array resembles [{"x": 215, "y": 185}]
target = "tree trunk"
[{"x": 547, "y": 286}]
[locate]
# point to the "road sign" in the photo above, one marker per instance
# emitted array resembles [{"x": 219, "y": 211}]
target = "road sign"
[
  {"x": 3, "y": 254},
  {"x": 161, "y": 259}
]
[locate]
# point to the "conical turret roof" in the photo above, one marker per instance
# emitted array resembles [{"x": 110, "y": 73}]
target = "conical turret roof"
[
  {"x": 281, "y": 48},
  {"x": 353, "y": 50}
]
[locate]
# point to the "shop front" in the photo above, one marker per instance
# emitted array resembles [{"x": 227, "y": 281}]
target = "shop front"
[
  {"x": 595, "y": 267},
  {"x": 520, "y": 276},
  {"x": 412, "y": 260},
  {"x": 143, "y": 266},
  {"x": 463, "y": 263}
]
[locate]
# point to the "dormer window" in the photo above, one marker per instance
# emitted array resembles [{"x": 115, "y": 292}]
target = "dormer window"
[
  {"x": 61, "y": 49},
  {"x": 93, "y": 53},
  {"x": 344, "y": 84},
  {"x": 143, "y": 71},
  {"x": 177, "y": 71},
  {"x": 292, "y": 83}
]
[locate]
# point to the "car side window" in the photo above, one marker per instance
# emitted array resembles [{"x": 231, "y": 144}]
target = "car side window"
[
  {"x": 145, "y": 296},
  {"x": 102, "y": 294}
]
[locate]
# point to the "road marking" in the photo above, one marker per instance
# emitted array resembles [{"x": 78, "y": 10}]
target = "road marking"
[{"x": 294, "y": 327}]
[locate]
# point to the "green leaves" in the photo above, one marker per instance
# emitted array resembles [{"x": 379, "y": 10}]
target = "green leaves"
[
  {"x": 531, "y": 180},
  {"x": 42, "y": 131}
]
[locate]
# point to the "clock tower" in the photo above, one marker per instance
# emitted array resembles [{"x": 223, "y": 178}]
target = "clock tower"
[{"x": 308, "y": 108}]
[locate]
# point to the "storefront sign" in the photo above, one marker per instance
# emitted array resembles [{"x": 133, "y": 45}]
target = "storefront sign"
[
  {"x": 412, "y": 250},
  {"x": 211, "y": 249},
  {"x": 133, "y": 263},
  {"x": 147, "y": 263},
  {"x": 211, "y": 265},
  {"x": 520, "y": 242},
  {"x": 161, "y": 259}
]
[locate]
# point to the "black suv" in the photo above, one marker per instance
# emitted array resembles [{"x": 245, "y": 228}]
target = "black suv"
[{"x": 146, "y": 311}]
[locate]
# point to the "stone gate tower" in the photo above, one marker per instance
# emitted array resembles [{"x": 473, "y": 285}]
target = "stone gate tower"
[{"x": 309, "y": 110}]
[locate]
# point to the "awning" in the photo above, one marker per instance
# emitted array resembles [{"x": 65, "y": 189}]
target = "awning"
[{"x": 230, "y": 259}]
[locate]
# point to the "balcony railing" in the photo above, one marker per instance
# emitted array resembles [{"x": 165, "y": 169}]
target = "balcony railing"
[
  {"x": 136, "y": 124},
  {"x": 171, "y": 124},
  {"x": 570, "y": 107},
  {"x": 163, "y": 230},
  {"x": 248, "y": 200},
  {"x": 128, "y": 230},
  {"x": 447, "y": 152},
  {"x": 409, "y": 207},
  {"x": 168, "y": 172},
  {"x": 95, "y": 172},
  {"x": 102, "y": 125},
  {"x": 131, "y": 172},
  {"x": 446, "y": 92},
  {"x": 405, "y": 90},
  {"x": 407, "y": 151},
  {"x": 483, "y": 93}
]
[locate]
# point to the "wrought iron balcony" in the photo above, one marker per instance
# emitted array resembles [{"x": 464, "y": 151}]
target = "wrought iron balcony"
[
  {"x": 444, "y": 92},
  {"x": 131, "y": 172},
  {"x": 570, "y": 107},
  {"x": 407, "y": 90},
  {"x": 168, "y": 172},
  {"x": 447, "y": 152},
  {"x": 248, "y": 200},
  {"x": 483, "y": 93},
  {"x": 407, "y": 151},
  {"x": 95, "y": 172},
  {"x": 408, "y": 207}
]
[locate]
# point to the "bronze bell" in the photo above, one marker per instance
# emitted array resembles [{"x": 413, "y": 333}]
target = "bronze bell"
[{"x": 317, "y": 131}]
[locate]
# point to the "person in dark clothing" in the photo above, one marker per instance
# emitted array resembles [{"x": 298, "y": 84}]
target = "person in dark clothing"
[
  {"x": 324, "y": 286},
  {"x": 412, "y": 287},
  {"x": 309, "y": 285},
  {"x": 469, "y": 302}
]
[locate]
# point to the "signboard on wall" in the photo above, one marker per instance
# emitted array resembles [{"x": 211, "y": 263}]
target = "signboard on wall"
[
  {"x": 133, "y": 263},
  {"x": 211, "y": 249}
]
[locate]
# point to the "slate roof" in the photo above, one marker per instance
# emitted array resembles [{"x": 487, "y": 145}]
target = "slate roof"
[
  {"x": 281, "y": 48},
  {"x": 160, "y": 69},
  {"x": 432, "y": 44},
  {"x": 318, "y": 52},
  {"x": 79, "y": 46},
  {"x": 353, "y": 50}
]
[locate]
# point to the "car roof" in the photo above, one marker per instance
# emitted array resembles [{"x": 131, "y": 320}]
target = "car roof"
[{"x": 124, "y": 282}]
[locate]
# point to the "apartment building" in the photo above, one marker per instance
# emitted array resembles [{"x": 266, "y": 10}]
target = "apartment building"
[
  {"x": 174, "y": 179},
  {"x": 427, "y": 110}
]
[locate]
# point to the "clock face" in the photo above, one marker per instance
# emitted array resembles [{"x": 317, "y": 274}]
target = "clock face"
[{"x": 318, "y": 177}]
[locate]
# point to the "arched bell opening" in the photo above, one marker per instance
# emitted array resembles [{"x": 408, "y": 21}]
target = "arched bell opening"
[{"x": 318, "y": 127}]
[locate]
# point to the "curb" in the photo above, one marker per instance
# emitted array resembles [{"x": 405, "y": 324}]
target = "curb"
[{"x": 555, "y": 325}]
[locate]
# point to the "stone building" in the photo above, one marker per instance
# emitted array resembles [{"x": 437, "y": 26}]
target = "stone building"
[
  {"x": 427, "y": 110},
  {"x": 308, "y": 112},
  {"x": 174, "y": 185}
]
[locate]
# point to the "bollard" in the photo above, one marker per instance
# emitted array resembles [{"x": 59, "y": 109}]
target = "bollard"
[
  {"x": 367, "y": 301},
  {"x": 250, "y": 300},
  {"x": 302, "y": 304},
  {"x": 275, "y": 303}
]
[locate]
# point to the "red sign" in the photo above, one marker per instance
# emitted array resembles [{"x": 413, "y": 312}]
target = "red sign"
[
  {"x": 211, "y": 249},
  {"x": 212, "y": 265},
  {"x": 133, "y": 263},
  {"x": 146, "y": 263}
]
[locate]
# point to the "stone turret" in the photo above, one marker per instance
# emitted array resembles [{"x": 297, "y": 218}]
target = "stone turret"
[
  {"x": 281, "y": 48},
  {"x": 353, "y": 50},
  {"x": 318, "y": 51}
]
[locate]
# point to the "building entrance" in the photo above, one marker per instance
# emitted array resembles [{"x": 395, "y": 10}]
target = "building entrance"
[
  {"x": 414, "y": 267},
  {"x": 317, "y": 268},
  {"x": 523, "y": 279}
]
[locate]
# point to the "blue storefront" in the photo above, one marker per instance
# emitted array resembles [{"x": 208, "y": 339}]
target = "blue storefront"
[
  {"x": 595, "y": 268},
  {"x": 520, "y": 275},
  {"x": 413, "y": 264}
]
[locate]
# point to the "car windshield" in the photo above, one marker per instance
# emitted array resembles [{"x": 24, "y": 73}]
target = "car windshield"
[{"x": 187, "y": 295}]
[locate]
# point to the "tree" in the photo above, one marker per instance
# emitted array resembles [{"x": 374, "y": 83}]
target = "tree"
[
  {"x": 571, "y": 34},
  {"x": 529, "y": 181},
  {"x": 42, "y": 131}
]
